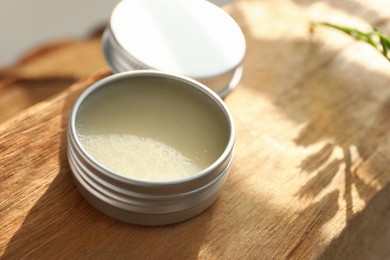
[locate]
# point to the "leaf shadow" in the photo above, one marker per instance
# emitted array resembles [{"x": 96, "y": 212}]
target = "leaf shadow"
[
  {"x": 339, "y": 100},
  {"x": 320, "y": 181},
  {"x": 367, "y": 235},
  {"x": 317, "y": 159}
]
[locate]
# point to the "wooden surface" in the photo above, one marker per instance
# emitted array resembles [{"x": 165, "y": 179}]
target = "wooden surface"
[
  {"x": 46, "y": 71},
  {"x": 311, "y": 173}
]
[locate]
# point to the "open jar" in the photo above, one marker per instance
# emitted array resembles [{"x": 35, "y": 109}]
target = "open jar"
[{"x": 150, "y": 147}]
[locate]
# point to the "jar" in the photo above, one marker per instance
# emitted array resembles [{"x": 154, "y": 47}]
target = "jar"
[
  {"x": 191, "y": 38},
  {"x": 150, "y": 105}
]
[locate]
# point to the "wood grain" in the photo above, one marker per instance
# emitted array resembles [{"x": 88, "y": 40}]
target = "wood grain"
[
  {"x": 74, "y": 58},
  {"x": 45, "y": 71},
  {"x": 310, "y": 177},
  {"x": 23, "y": 93}
]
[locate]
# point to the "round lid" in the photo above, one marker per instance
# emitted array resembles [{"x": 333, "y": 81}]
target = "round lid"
[{"x": 192, "y": 38}]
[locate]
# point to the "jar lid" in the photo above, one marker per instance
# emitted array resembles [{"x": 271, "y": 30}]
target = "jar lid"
[{"x": 192, "y": 38}]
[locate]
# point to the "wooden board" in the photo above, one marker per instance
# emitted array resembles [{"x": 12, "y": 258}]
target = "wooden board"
[
  {"x": 46, "y": 70},
  {"x": 310, "y": 177}
]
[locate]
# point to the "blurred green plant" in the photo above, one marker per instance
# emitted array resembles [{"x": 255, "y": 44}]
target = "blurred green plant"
[{"x": 375, "y": 38}]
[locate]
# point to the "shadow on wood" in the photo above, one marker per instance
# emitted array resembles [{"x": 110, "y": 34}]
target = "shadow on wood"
[
  {"x": 340, "y": 103},
  {"x": 368, "y": 233}
]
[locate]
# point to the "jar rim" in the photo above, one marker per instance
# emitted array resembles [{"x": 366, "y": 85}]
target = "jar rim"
[{"x": 152, "y": 183}]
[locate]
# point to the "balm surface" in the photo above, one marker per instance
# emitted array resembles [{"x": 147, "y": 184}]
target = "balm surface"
[{"x": 151, "y": 129}]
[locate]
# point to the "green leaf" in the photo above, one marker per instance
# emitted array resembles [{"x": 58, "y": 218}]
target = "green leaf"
[{"x": 375, "y": 38}]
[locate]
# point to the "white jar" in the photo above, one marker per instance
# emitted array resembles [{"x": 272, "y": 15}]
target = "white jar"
[{"x": 191, "y": 38}]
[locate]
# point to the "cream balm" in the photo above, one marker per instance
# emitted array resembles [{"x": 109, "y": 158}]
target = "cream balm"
[
  {"x": 151, "y": 129},
  {"x": 148, "y": 143},
  {"x": 192, "y": 38}
]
